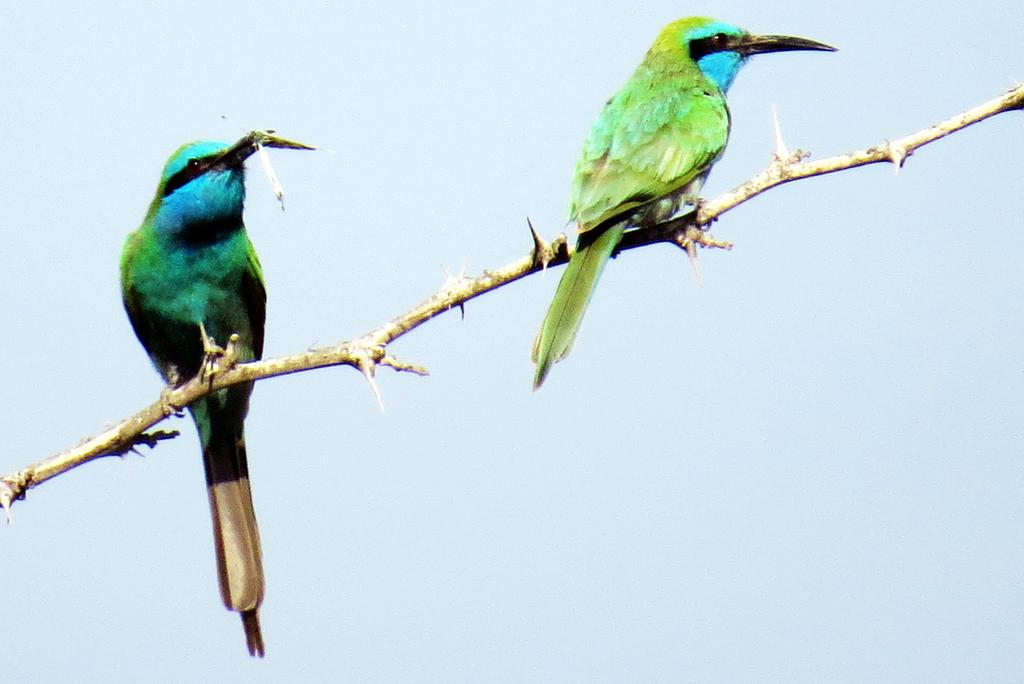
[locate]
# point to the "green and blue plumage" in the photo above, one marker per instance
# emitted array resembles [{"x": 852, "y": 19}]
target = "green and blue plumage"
[
  {"x": 647, "y": 154},
  {"x": 190, "y": 267}
]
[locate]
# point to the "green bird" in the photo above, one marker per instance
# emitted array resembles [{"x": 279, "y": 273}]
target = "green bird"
[
  {"x": 647, "y": 154},
  {"x": 190, "y": 277}
]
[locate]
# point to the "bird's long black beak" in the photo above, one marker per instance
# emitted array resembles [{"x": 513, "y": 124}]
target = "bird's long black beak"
[
  {"x": 232, "y": 157},
  {"x": 753, "y": 45},
  {"x": 249, "y": 143}
]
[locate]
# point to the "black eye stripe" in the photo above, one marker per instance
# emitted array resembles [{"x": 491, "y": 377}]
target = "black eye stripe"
[
  {"x": 702, "y": 47},
  {"x": 193, "y": 169}
]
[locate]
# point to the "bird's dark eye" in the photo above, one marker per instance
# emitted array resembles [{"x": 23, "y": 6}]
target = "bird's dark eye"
[
  {"x": 702, "y": 47},
  {"x": 193, "y": 169}
]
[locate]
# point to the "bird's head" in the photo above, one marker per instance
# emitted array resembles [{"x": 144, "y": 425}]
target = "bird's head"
[
  {"x": 204, "y": 181},
  {"x": 719, "y": 49}
]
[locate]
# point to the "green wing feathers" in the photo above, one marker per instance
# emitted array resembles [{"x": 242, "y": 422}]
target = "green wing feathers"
[
  {"x": 643, "y": 149},
  {"x": 558, "y": 331},
  {"x": 654, "y": 140}
]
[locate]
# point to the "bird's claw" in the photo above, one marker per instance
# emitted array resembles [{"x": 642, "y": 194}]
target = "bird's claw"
[
  {"x": 705, "y": 239},
  {"x": 211, "y": 356},
  {"x": 216, "y": 359},
  {"x": 694, "y": 237},
  {"x": 231, "y": 351}
]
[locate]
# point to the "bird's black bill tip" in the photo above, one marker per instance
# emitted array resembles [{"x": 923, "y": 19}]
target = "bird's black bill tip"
[
  {"x": 251, "y": 142},
  {"x": 269, "y": 139},
  {"x": 754, "y": 45}
]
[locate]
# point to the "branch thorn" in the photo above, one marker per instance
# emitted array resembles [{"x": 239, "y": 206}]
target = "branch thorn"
[
  {"x": 168, "y": 407},
  {"x": 367, "y": 366},
  {"x": 6, "y": 498},
  {"x": 13, "y": 487},
  {"x": 691, "y": 253},
  {"x": 452, "y": 280},
  {"x": 541, "y": 250},
  {"x": 897, "y": 155},
  {"x": 781, "y": 151}
]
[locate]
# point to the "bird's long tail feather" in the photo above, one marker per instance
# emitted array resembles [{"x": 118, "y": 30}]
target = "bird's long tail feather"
[
  {"x": 235, "y": 534},
  {"x": 558, "y": 331}
]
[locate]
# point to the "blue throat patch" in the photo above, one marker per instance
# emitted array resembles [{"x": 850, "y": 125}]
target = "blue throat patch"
[{"x": 721, "y": 68}]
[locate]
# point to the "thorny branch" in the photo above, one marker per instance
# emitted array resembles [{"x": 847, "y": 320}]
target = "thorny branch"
[{"x": 370, "y": 350}]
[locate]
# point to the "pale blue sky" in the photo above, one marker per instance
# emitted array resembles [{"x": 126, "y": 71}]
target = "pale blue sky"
[{"x": 806, "y": 469}]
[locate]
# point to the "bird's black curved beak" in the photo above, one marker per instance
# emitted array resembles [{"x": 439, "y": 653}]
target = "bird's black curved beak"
[
  {"x": 232, "y": 157},
  {"x": 250, "y": 143},
  {"x": 753, "y": 45}
]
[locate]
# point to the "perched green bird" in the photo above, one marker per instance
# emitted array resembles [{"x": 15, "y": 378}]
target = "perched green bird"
[
  {"x": 189, "y": 277},
  {"x": 647, "y": 154}
]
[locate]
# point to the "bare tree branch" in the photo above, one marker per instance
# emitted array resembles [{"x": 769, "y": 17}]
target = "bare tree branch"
[
  {"x": 370, "y": 350},
  {"x": 895, "y": 152}
]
